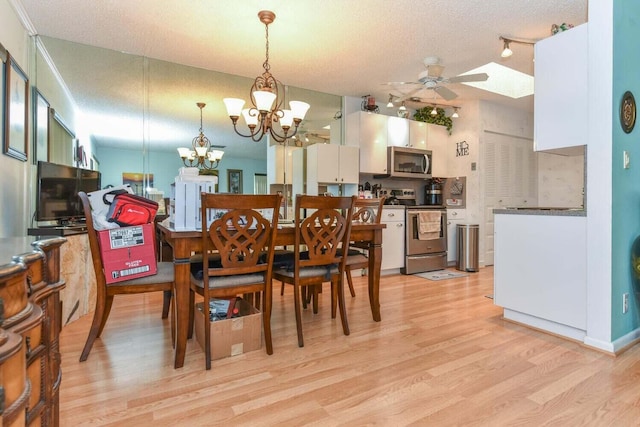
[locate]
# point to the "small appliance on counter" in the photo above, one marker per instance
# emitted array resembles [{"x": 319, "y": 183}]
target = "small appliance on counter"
[{"x": 433, "y": 192}]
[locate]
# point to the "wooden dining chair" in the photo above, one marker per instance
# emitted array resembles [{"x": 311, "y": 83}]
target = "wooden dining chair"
[
  {"x": 325, "y": 230},
  {"x": 366, "y": 211},
  {"x": 105, "y": 292},
  {"x": 237, "y": 255}
]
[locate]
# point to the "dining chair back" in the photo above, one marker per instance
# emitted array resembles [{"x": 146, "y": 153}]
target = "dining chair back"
[
  {"x": 366, "y": 211},
  {"x": 237, "y": 254},
  {"x": 105, "y": 292},
  {"x": 323, "y": 227}
]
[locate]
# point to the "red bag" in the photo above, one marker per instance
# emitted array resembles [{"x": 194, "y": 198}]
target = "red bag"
[{"x": 127, "y": 209}]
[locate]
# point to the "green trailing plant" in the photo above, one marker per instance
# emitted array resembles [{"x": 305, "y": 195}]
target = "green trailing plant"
[{"x": 424, "y": 115}]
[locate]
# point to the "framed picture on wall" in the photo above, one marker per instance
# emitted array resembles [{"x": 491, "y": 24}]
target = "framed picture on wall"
[
  {"x": 16, "y": 103},
  {"x": 234, "y": 180},
  {"x": 40, "y": 127}
]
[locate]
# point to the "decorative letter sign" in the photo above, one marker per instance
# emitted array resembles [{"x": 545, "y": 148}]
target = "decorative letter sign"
[{"x": 462, "y": 149}]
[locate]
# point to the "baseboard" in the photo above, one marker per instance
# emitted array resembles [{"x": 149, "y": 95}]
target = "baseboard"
[{"x": 545, "y": 325}]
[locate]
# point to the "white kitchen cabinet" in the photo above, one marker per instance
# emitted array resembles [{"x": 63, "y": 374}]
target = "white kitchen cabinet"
[
  {"x": 437, "y": 141},
  {"x": 280, "y": 164},
  {"x": 417, "y": 134},
  {"x": 392, "y": 238},
  {"x": 454, "y": 217},
  {"x": 560, "y": 104},
  {"x": 369, "y": 132},
  {"x": 332, "y": 166},
  {"x": 540, "y": 271},
  {"x": 397, "y": 132}
]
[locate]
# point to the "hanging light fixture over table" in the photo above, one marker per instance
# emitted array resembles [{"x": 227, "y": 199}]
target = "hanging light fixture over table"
[
  {"x": 201, "y": 154},
  {"x": 267, "y": 98}
]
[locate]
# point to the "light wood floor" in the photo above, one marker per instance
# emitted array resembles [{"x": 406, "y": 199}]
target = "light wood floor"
[{"x": 442, "y": 355}]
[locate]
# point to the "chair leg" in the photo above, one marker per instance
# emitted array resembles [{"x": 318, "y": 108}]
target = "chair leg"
[
  {"x": 314, "y": 295},
  {"x": 341, "y": 304},
  {"x": 350, "y": 281},
  {"x": 296, "y": 296},
  {"x": 306, "y": 296},
  {"x": 105, "y": 314},
  {"x": 281, "y": 288},
  {"x": 99, "y": 319},
  {"x": 207, "y": 341},
  {"x": 192, "y": 296},
  {"x": 334, "y": 299},
  {"x": 266, "y": 318},
  {"x": 166, "y": 303}
]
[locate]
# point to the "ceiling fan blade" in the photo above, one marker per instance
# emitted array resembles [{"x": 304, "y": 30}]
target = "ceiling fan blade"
[
  {"x": 400, "y": 84},
  {"x": 480, "y": 77},
  {"x": 408, "y": 95},
  {"x": 446, "y": 93}
]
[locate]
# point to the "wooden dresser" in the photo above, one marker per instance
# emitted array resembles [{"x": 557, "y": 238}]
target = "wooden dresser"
[{"x": 30, "y": 324}]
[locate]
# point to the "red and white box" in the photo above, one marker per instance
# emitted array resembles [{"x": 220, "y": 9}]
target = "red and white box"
[{"x": 128, "y": 252}]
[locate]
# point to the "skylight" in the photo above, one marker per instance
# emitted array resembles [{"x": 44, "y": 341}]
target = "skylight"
[{"x": 503, "y": 81}]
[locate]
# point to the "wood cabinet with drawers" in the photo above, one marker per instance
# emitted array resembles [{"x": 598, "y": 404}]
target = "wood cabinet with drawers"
[{"x": 30, "y": 322}]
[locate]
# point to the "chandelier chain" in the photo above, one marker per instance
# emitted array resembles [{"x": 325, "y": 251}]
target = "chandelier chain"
[{"x": 266, "y": 61}]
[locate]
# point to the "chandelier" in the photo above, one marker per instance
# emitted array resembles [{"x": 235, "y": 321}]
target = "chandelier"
[
  {"x": 201, "y": 154},
  {"x": 266, "y": 102}
]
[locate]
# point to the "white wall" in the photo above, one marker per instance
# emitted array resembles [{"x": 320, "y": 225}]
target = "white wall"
[
  {"x": 16, "y": 177},
  {"x": 599, "y": 178},
  {"x": 560, "y": 180}
]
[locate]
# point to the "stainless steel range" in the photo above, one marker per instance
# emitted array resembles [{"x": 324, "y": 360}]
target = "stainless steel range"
[{"x": 425, "y": 239}]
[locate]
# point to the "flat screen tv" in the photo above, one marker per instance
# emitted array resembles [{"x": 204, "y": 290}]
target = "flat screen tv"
[{"x": 57, "y": 194}]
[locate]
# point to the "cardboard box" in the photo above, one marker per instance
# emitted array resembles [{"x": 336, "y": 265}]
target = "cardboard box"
[
  {"x": 230, "y": 337},
  {"x": 128, "y": 252}
]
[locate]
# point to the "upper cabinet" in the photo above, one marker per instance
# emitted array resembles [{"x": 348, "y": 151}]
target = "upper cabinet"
[
  {"x": 369, "y": 132},
  {"x": 437, "y": 139},
  {"x": 332, "y": 164},
  {"x": 373, "y": 133},
  {"x": 417, "y": 134},
  {"x": 397, "y": 132},
  {"x": 561, "y": 88},
  {"x": 280, "y": 164}
]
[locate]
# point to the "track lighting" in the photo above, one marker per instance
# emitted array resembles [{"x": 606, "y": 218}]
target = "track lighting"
[
  {"x": 506, "y": 51},
  {"x": 434, "y": 112},
  {"x": 402, "y": 107},
  {"x": 455, "y": 113},
  {"x": 390, "y": 103}
]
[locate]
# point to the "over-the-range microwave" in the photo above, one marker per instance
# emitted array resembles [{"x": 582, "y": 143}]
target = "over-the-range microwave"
[{"x": 405, "y": 162}]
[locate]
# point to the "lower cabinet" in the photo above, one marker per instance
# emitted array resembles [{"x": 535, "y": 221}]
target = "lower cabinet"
[
  {"x": 392, "y": 238},
  {"x": 454, "y": 217}
]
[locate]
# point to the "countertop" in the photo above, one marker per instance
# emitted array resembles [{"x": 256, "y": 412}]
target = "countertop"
[{"x": 542, "y": 210}]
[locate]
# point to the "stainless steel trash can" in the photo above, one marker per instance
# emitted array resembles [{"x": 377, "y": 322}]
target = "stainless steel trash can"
[{"x": 468, "y": 247}]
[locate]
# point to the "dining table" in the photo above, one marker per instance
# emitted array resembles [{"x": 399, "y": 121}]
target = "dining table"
[{"x": 186, "y": 243}]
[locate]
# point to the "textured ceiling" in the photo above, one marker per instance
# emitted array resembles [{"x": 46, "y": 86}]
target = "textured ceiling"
[{"x": 333, "y": 46}]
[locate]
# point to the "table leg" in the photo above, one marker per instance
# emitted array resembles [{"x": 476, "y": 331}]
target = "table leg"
[
  {"x": 181, "y": 294},
  {"x": 375, "y": 261}
]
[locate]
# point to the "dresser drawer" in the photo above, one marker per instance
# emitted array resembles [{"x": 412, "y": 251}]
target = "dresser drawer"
[
  {"x": 13, "y": 379},
  {"x": 13, "y": 294}
]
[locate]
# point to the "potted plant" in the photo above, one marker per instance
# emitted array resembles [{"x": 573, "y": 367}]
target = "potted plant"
[{"x": 424, "y": 115}]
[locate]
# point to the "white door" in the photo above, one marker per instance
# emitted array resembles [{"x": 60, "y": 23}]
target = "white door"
[{"x": 509, "y": 179}]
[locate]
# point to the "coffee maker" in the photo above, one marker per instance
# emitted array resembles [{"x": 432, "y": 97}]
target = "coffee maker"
[{"x": 433, "y": 192}]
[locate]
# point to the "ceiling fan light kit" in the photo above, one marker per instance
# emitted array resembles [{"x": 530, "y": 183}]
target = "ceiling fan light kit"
[
  {"x": 432, "y": 79},
  {"x": 267, "y": 100}
]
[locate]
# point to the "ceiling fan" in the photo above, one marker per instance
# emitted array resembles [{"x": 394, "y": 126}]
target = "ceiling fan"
[{"x": 431, "y": 79}]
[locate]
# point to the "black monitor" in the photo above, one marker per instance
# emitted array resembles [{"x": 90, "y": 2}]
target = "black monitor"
[{"x": 57, "y": 194}]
